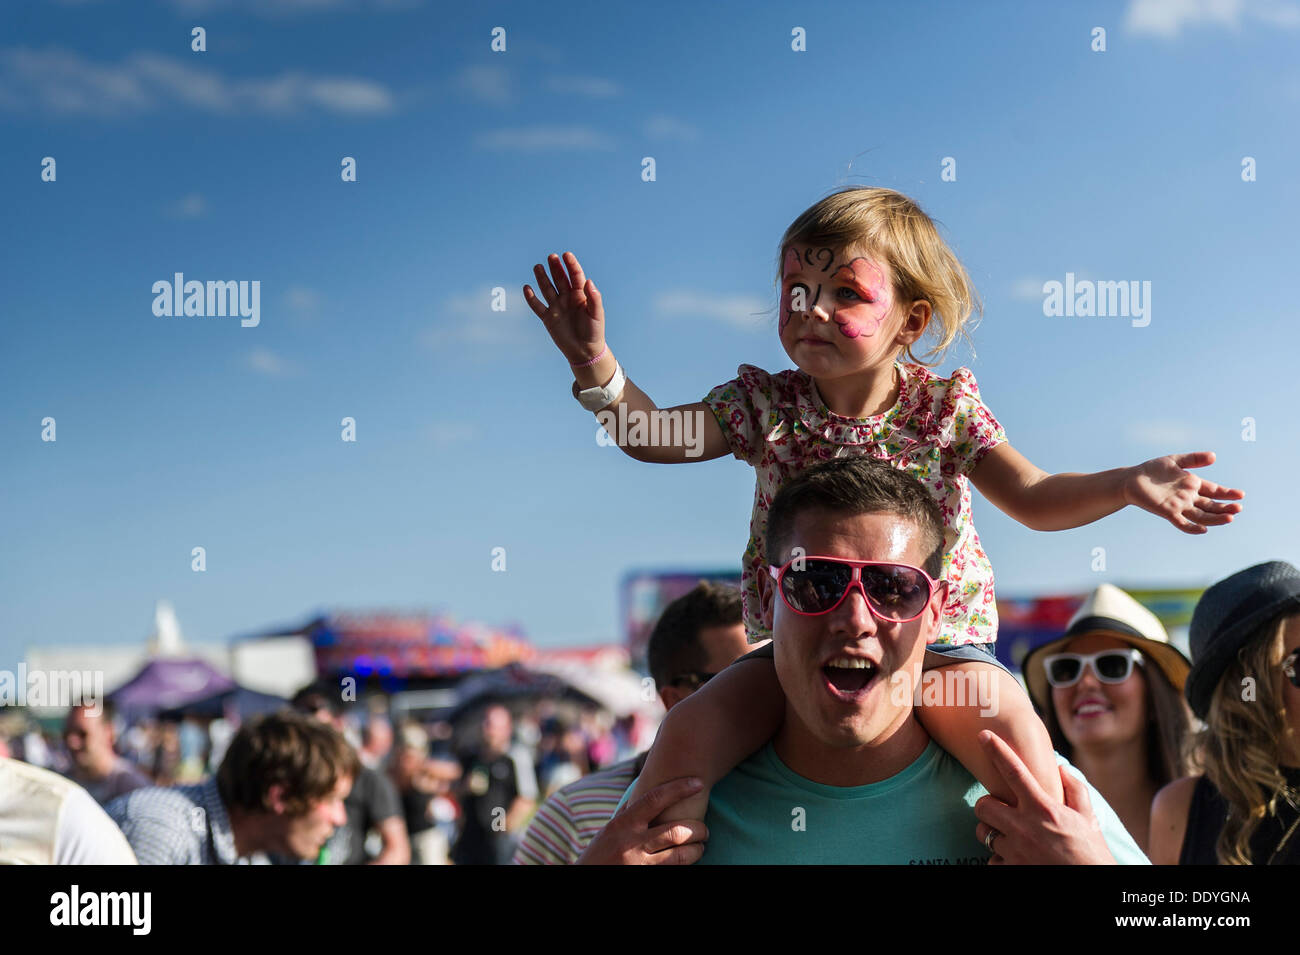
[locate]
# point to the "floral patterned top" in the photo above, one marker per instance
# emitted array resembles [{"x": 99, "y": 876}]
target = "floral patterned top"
[{"x": 937, "y": 431}]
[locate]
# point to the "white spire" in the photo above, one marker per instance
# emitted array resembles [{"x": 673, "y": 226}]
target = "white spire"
[{"x": 166, "y": 638}]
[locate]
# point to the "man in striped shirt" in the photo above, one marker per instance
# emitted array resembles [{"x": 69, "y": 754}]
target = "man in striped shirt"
[{"x": 695, "y": 637}]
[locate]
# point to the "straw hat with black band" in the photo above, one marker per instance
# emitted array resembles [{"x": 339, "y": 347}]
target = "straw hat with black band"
[
  {"x": 1111, "y": 611},
  {"x": 1228, "y": 615}
]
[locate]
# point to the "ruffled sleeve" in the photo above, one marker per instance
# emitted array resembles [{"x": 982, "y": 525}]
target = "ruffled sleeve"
[
  {"x": 745, "y": 411},
  {"x": 962, "y": 424}
]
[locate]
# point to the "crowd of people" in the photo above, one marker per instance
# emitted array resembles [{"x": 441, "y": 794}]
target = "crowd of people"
[
  {"x": 1161, "y": 757},
  {"x": 421, "y": 791},
  {"x": 844, "y": 705}
]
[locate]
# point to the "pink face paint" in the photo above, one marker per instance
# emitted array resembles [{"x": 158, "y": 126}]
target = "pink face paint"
[{"x": 864, "y": 316}]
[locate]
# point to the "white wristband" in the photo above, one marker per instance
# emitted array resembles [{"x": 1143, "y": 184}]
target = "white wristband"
[{"x": 593, "y": 399}]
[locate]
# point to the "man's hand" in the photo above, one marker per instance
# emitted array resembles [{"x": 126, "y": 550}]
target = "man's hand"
[
  {"x": 1038, "y": 830},
  {"x": 1164, "y": 488},
  {"x": 629, "y": 839},
  {"x": 572, "y": 312}
]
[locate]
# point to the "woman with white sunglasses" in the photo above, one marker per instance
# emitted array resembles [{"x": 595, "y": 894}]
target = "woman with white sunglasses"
[{"x": 1110, "y": 692}]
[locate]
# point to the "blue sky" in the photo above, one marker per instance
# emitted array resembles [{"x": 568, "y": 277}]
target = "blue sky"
[{"x": 473, "y": 165}]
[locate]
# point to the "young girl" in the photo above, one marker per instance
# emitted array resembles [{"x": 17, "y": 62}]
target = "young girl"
[{"x": 864, "y": 274}]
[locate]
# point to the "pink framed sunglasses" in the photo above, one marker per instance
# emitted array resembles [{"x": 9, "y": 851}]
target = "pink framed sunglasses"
[{"x": 813, "y": 586}]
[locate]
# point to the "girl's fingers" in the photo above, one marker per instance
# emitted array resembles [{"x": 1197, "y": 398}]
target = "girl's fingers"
[
  {"x": 557, "y": 271},
  {"x": 535, "y": 303},
  {"x": 575, "y": 270},
  {"x": 1205, "y": 518},
  {"x": 1183, "y": 524},
  {"x": 1194, "y": 459},
  {"x": 1217, "y": 507},
  {"x": 1210, "y": 489},
  {"x": 543, "y": 283}
]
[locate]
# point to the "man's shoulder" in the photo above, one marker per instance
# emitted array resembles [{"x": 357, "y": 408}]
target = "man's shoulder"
[
  {"x": 166, "y": 804},
  {"x": 570, "y": 817},
  {"x": 596, "y": 796},
  {"x": 610, "y": 778},
  {"x": 170, "y": 825},
  {"x": 368, "y": 782},
  {"x": 124, "y": 777},
  {"x": 18, "y": 777}
]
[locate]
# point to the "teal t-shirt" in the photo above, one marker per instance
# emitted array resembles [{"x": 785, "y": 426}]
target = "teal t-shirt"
[{"x": 764, "y": 813}]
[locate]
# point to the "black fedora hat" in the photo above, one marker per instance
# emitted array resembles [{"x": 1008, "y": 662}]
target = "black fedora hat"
[{"x": 1226, "y": 617}]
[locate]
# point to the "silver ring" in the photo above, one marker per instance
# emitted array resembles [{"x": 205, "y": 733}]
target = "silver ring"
[{"x": 988, "y": 840}]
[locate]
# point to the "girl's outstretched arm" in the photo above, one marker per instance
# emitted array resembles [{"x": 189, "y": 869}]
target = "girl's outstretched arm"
[
  {"x": 1056, "y": 502},
  {"x": 575, "y": 318},
  {"x": 712, "y": 731},
  {"x": 965, "y": 698}
]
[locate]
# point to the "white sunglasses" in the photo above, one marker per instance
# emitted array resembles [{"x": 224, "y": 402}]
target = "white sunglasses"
[{"x": 1111, "y": 666}]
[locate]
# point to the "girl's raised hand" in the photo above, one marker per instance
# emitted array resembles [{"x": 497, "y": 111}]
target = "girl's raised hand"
[
  {"x": 572, "y": 312},
  {"x": 1192, "y": 504}
]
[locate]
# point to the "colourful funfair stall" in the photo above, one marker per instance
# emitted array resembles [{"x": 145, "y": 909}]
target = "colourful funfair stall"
[{"x": 411, "y": 645}]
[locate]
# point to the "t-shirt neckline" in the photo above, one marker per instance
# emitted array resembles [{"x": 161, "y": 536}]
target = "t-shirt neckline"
[{"x": 919, "y": 765}]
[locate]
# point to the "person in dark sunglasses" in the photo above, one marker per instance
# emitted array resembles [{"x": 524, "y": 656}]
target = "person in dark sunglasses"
[
  {"x": 1245, "y": 685},
  {"x": 696, "y": 636},
  {"x": 856, "y": 546},
  {"x": 1110, "y": 691}
]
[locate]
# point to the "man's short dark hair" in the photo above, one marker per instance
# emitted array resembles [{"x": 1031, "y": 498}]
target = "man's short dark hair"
[
  {"x": 674, "y": 647},
  {"x": 305, "y": 756},
  {"x": 317, "y": 696},
  {"x": 851, "y": 486}
]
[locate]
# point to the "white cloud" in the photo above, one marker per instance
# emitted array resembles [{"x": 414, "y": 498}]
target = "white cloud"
[
  {"x": 594, "y": 87},
  {"x": 1027, "y": 289},
  {"x": 1174, "y": 437},
  {"x": 266, "y": 362},
  {"x": 1030, "y": 289},
  {"x": 1168, "y": 18},
  {"x": 468, "y": 320},
  {"x": 738, "y": 311},
  {"x": 532, "y": 139},
  {"x": 444, "y": 434},
  {"x": 301, "y": 299},
  {"x": 190, "y": 207},
  {"x": 666, "y": 127},
  {"x": 487, "y": 84},
  {"x": 65, "y": 82}
]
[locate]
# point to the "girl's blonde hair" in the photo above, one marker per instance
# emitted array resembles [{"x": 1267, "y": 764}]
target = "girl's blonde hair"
[
  {"x": 1240, "y": 745},
  {"x": 892, "y": 227}
]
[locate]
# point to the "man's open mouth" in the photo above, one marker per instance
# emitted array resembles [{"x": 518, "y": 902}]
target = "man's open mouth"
[{"x": 849, "y": 676}]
